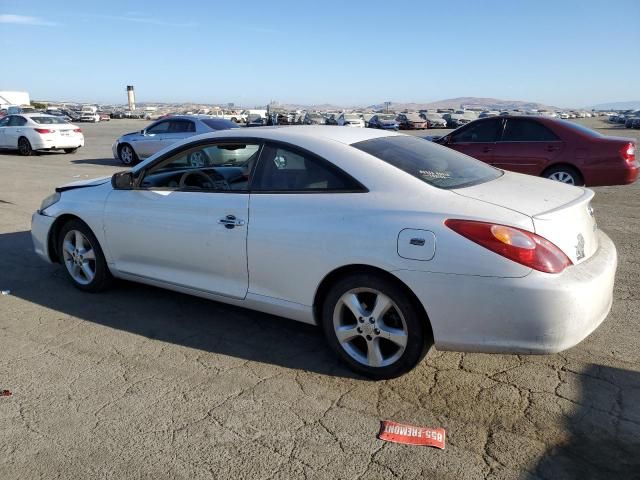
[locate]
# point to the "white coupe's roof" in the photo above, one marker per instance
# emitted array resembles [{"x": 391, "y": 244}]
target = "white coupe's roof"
[{"x": 345, "y": 135}]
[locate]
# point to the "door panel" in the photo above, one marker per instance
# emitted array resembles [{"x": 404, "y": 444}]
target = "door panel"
[
  {"x": 526, "y": 146},
  {"x": 526, "y": 157},
  {"x": 477, "y": 140},
  {"x": 479, "y": 151},
  {"x": 176, "y": 237},
  {"x": 147, "y": 145}
]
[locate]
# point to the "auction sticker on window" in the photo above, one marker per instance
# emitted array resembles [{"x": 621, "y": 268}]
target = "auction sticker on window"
[{"x": 410, "y": 435}]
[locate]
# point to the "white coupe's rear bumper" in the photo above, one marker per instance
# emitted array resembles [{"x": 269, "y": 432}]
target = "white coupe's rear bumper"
[{"x": 539, "y": 313}]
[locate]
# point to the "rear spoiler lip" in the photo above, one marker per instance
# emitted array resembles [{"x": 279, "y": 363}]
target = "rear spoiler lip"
[{"x": 586, "y": 197}]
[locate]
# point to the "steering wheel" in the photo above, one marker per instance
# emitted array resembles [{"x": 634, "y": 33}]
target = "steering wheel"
[
  {"x": 205, "y": 180},
  {"x": 218, "y": 182}
]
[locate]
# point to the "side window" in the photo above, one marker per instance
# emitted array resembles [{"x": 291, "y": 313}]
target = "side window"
[
  {"x": 220, "y": 167},
  {"x": 181, "y": 126},
  {"x": 162, "y": 127},
  {"x": 520, "y": 130},
  {"x": 16, "y": 121},
  {"x": 285, "y": 170},
  {"x": 480, "y": 132},
  {"x": 4, "y": 122}
]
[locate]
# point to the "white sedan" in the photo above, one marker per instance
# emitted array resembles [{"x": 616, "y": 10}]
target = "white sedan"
[
  {"x": 391, "y": 243},
  {"x": 28, "y": 132}
]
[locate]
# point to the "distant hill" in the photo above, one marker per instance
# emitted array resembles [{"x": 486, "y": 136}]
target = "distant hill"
[
  {"x": 469, "y": 102},
  {"x": 628, "y": 105},
  {"x": 455, "y": 103}
]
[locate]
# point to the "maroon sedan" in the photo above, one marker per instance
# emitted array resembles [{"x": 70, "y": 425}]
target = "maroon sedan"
[{"x": 546, "y": 147}]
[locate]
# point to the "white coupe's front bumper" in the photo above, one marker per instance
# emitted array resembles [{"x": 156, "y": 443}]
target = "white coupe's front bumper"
[
  {"x": 538, "y": 313},
  {"x": 40, "y": 226}
]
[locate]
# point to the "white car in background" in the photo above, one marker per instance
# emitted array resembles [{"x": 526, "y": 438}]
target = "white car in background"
[
  {"x": 89, "y": 117},
  {"x": 29, "y": 132},
  {"x": 350, "y": 120},
  {"x": 390, "y": 242}
]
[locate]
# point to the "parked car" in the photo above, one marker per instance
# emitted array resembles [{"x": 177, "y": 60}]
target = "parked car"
[
  {"x": 385, "y": 121},
  {"x": 89, "y": 117},
  {"x": 104, "y": 117},
  {"x": 434, "y": 120},
  {"x": 411, "y": 121},
  {"x": 525, "y": 249},
  {"x": 350, "y": 120},
  {"x": 547, "y": 147},
  {"x": 313, "y": 119},
  {"x": 31, "y": 132},
  {"x": 130, "y": 148},
  {"x": 255, "y": 120}
]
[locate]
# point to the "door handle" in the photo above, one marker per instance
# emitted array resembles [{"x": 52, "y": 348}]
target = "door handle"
[
  {"x": 551, "y": 148},
  {"x": 486, "y": 149},
  {"x": 230, "y": 221}
]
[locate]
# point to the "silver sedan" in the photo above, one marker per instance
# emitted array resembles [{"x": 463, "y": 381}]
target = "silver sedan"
[{"x": 132, "y": 147}]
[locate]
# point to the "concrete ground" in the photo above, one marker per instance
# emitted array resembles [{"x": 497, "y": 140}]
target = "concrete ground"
[{"x": 140, "y": 382}]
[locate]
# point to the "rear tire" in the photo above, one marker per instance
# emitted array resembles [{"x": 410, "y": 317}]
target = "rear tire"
[
  {"x": 373, "y": 341},
  {"x": 564, "y": 174},
  {"x": 82, "y": 257},
  {"x": 127, "y": 154},
  {"x": 70, "y": 150},
  {"x": 24, "y": 147}
]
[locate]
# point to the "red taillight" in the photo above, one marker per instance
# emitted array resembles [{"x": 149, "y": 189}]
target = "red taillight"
[
  {"x": 77, "y": 130},
  {"x": 513, "y": 243},
  {"x": 628, "y": 152},
  {"x": 43, "y": 130}
]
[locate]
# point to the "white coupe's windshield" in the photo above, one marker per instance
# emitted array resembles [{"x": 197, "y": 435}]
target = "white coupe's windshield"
[{"x": 433, "y": 164}]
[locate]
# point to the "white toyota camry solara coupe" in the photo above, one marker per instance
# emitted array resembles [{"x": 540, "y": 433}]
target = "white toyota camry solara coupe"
[{"x": 389, "y": 242}]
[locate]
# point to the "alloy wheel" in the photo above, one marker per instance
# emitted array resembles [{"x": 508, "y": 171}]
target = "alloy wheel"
[
  {"x": 24, "y": 147},
  {"x": 126, "y": 154},
  {"x": 370, "y": 327},
  {"x": 79, "y": 257},
  {"x": 564, "y": 177}
]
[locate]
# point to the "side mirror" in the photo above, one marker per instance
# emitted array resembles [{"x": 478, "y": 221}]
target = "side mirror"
[
  {"x": 143, "y": 132},
  {"x": 122, "y": 181}
]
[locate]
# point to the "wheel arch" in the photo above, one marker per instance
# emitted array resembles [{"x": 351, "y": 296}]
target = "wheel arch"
[
  {"x": 332, "y": 277},
  {"x": 54, "y": 232}
]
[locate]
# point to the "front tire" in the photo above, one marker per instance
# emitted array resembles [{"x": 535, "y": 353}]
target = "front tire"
[
  {"x": 374, "y": 326},
  {"x": 24, "y": 147},
  {"x": 82, "y": 257},
  {"x": 127, "y": 154}
]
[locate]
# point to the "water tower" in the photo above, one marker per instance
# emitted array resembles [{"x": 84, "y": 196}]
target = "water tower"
[{"x": 131, "y": 98}]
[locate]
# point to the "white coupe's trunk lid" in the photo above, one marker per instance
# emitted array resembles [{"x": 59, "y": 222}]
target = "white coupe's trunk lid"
[{"x": 562, "y": 214}]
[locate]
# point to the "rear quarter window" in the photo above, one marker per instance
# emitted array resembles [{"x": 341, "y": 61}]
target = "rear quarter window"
[{"x": 435, "y": 165}]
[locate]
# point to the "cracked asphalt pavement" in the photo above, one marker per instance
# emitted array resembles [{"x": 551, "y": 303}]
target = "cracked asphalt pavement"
[{"x": 140, "y": 382}]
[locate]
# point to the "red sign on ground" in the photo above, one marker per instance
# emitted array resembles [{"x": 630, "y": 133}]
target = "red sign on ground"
[{"x": 410, "y": 435}]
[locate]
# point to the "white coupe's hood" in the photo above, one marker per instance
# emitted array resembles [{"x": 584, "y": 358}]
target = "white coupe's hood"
[
  {"x": 93, "y": 182},
  {"x": 561, "y": 213}
]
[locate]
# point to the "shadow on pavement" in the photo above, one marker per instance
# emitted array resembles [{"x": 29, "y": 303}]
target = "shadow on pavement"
[
  {"x": 167, "y": 316},
  {"x": 601, "y": 410}
]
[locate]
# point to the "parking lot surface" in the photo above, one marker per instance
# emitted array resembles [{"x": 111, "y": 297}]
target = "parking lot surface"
[{"x": 140, "y": 382}]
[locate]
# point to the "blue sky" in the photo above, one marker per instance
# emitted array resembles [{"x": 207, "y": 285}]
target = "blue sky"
[{"x": 564, "y": 52}]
